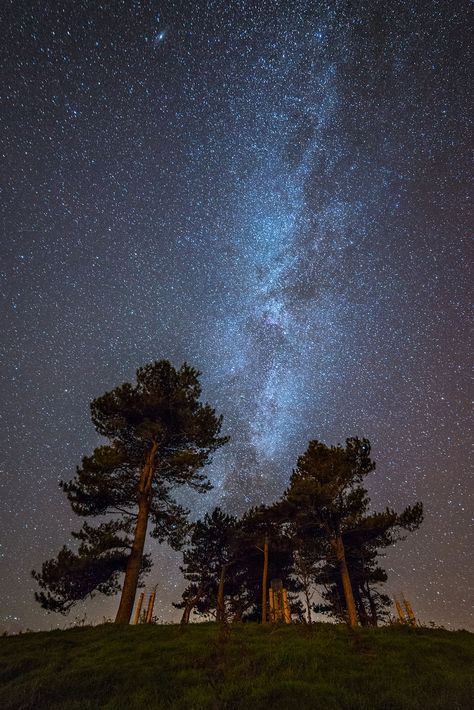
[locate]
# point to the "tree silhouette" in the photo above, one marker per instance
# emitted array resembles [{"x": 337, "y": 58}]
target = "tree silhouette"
[
  {"x": 325, "y": 509},
  {"x": 206, "y": 561},
  {"x": 371, "y": 533},
  {"x": 223, "y": 563},
  {"x": 160, "y": 437}
]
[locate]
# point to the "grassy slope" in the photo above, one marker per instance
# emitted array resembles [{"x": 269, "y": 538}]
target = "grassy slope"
[{"x": 248, "y": 667}]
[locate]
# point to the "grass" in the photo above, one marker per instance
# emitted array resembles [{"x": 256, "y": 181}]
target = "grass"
[{"x": 246, "y": 667}]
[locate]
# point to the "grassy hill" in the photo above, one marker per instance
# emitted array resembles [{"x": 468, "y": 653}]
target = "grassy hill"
[{"x": 246, "y": 666}]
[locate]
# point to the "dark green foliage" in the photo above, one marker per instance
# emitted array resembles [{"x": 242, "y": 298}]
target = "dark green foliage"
[
  {"x": 163, "y": 406},
  {"x": 256, "y": 525},
  {"x": 325, "y": 494},
  {"x": 212, "y": 547},
  {"x": 326, "y": 499},
  {"x": 160, "y": 412},
  {"x": 101, "y": 557},
  {"x": 114, "y": 667},
  {"x": 222, "y": 541},
  {"x": 370, "y": 534}
]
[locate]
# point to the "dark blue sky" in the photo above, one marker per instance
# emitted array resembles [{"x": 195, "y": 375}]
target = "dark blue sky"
[{"x": 275, "y": 192}]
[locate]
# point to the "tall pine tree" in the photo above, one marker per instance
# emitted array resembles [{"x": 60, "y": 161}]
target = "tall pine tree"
[
  {"x": 325, "y": 509},
  {"x": 160, "y": 436}
]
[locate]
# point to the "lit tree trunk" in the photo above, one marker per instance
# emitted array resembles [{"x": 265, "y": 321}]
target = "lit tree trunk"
[
  {"x": 134, "y": 563},
  {"x": 220, "y": 611},
  {"x": 149, "y": 611},
  {"x": 265, "y": 580},
  {"x": 338, "y": 547},
  {"x": 190, "y": 604}
]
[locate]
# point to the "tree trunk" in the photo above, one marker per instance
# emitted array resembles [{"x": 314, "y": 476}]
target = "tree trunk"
[
  {"x": 308, "y": 604},
  {"x": 361, "y": 610},
  {"x": 186, "y": 614},
  {"x": 134, "y": 563},
  {"x": 220, "y": 611},
  {"x": 238, "y": 614},
  {"x": 373, "y": 608},
  {"x": 265, "y": 581},
  {"x": 338, "y": 546}
]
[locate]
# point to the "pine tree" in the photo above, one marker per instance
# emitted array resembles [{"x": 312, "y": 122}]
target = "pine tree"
[
  {"x": 265, "y": 555},
  {"x": 224, "y": 563},
  {"x": 207, "y": 559},
  {"x": 363, "y": 543},
  {"x": 325, "y": 509},
  {"x": 160, "y": 437}
]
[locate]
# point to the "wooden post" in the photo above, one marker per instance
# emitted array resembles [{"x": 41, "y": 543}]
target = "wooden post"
[
  {"x": 264, "y": 581},
  {"x": 410, "y": 613},
  {"x": 286, "y": 608},
  {"x": 136, "y": 618},
  {"x": 271, "y": 605},
  {"x": 149, "y": 611},
  {"x": 400, "y": 613}
]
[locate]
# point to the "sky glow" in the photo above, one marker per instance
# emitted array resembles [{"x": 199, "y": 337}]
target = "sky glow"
[{"x": 274, "y": 192}]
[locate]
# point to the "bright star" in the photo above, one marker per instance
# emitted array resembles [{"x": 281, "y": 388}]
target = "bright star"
[{"x": 159, "y": 38}]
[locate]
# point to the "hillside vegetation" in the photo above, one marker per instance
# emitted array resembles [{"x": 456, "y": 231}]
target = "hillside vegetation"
[{"x": 243, "y": 666}]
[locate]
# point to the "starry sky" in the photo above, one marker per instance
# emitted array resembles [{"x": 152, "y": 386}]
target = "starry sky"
[{"x": 276, "y": 192}]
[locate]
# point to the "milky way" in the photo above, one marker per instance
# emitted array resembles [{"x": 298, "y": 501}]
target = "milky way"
[{"x": 274, "y": 192}]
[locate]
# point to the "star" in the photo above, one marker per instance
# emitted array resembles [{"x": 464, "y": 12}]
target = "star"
[{"x": 280, "y": 198}]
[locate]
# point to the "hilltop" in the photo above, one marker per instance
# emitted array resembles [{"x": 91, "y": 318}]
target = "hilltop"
[{"x": 243, "y": 666}]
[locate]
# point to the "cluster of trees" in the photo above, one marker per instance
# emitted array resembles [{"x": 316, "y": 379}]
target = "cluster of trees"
[{"x": 320, "y": 534}]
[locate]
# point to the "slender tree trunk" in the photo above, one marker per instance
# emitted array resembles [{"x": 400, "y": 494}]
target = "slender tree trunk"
[
  {"x": 134, "y": 563},
  {"x": 373, "y": 608},
  {"x": 308, "y": 604},
  {"x": 338, "y": 546},
  {"x": 410, "y": 612},
  {"x": 401, "y": 615},
  {"x": 265, "y": 581},
  {"x": 220, "y": 611},
  {"x": 361, "y": 610}
]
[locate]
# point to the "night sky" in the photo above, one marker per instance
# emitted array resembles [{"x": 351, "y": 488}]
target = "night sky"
[{"x": 275, "y": 192}]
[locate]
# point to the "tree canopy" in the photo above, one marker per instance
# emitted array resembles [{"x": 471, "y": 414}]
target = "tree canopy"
[
  {"x": 336, "y": 540},
  {"x": 322, "y": 533},
  {"x": 160, "y": 436}
]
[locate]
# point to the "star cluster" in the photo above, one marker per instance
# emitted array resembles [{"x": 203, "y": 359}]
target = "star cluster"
[{"x": 275, "y": 192}]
